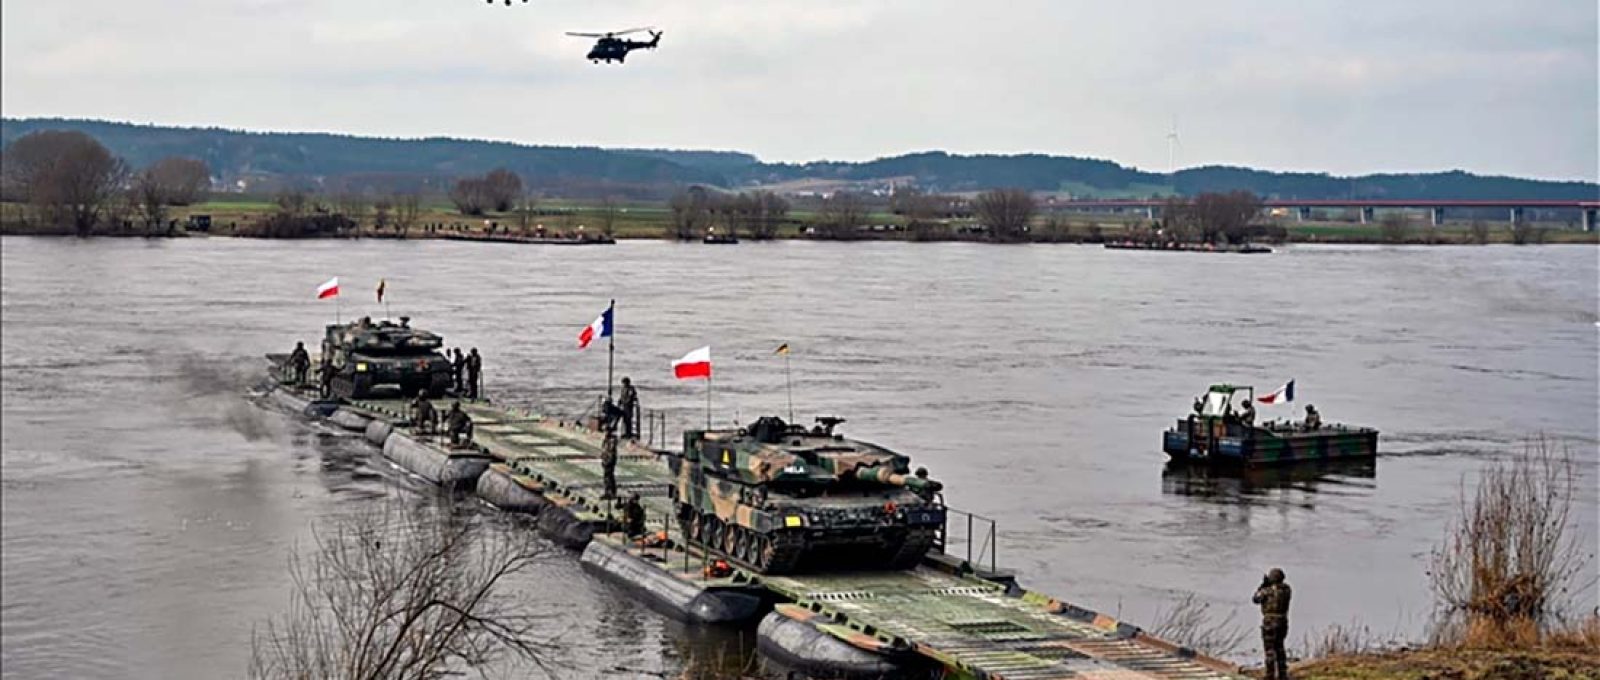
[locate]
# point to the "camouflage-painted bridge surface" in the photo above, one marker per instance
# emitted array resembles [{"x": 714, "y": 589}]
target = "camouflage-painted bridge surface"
[{"x": 971, "y": 626}]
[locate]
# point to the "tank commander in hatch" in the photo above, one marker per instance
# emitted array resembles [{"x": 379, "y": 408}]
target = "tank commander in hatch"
[
  {"x": 1313, "y": 419},
  {"x": 1247, "y": 413}
]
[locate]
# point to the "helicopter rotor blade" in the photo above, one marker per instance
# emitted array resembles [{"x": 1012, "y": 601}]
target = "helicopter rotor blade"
[
  {"x": 586, "y": 35},
  {"x": 634, "y": 30}
]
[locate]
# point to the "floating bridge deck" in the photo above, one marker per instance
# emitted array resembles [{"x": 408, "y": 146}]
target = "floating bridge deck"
[{"x": 971, "y": 626}]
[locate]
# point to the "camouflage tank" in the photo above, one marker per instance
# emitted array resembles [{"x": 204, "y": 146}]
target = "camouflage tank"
[
  {"x": 779, "y": 497},
  {"x": 366, "y": 355}
]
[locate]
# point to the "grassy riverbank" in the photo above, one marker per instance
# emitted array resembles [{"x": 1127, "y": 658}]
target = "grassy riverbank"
[
  {"x": 239, "y": 215},
  {"x": 1455, "y": 664}
]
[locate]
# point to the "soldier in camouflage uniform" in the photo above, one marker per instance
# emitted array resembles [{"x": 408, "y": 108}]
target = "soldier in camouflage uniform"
[
  {"x": 325, "y": 377},
  {"x": 474, "y": 373},
  {"x": 608, "y": 463},
  {"x": 630, "y": 409},
  {"x": 424, "y": 416},
  {"x": 1273, "y": 596},
  {"x": 300, "y": 362},
  {"x": 633, "y": 516},
  {"x": 1247, "y": 413},
  {"x": 459, "y": 424}
]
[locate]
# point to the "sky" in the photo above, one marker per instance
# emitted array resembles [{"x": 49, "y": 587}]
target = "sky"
[{"x": 1348, "y": 86}]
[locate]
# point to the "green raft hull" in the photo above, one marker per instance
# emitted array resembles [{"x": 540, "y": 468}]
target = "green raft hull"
[{"x": 1201, "y": 441}]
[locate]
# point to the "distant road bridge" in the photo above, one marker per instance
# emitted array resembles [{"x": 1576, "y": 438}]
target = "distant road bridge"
[{"x": 1366, "y": 209}]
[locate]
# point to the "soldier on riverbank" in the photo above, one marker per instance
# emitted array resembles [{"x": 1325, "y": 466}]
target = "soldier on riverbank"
[
  {"x": 1273, "y": 596},
  {"x": 300, "y": 362}
]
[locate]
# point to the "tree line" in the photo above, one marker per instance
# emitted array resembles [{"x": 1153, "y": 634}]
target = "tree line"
[{"x": 71, "y": 181}]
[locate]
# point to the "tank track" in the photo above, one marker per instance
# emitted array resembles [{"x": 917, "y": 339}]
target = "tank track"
[
  {"x": 778, "y": 553},
  {"x": 912, "y": 549}
]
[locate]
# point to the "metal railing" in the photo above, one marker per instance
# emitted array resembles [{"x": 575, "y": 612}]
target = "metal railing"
[{"x": 970, "y": 536}]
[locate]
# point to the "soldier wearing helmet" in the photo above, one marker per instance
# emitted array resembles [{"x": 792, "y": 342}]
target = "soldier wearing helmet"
[
  {"x": 1273, "y": 596},
  {"x": 633, "y": 516},
  {"x": 300, "y": 362},
  {"x": 459, "y": 424},
  {"x": 608, "y": 463}
]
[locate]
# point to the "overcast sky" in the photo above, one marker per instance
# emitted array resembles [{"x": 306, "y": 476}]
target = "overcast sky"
[{"x": 1345, "y": 86}]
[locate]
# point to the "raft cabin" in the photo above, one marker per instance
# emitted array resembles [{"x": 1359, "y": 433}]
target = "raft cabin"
[{"x": 1217, "y": 432}]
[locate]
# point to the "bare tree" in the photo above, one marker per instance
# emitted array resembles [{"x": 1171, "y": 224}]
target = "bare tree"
[
  {"x": 690, "y": 213},
  {"x": 1479, "y": 231},
  {"x": 842, "y": 215},
  {"x": 1509, "y": 556},
  {"x": 1394, "y": 228},
  {"x": 1006, "y": 212},
  {"x": 470, "y": 195},
  {"x": 407, "y": 206},
  {"x": 402, "y": 591},
  {"x": 351, "y": 205},
  {"x": 527, "y": 213},
  {"x": 148, "y": 197},
  {"x": 382, "y": 212},
  {"x": 292, "y": 202},
  {"x": 1219, "y": 215},
  {"x": 501, "y": 189},
  {"x": 1524, "y": 232},
  {"x": 184, "y": 181},
  {"x": 767, "y": 211},
  {"x": 67, "y": 176},
  {"x": 609, "y": 210}
]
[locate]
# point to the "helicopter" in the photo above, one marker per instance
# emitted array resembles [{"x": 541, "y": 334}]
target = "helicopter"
[{"x": 610, "y": 47}]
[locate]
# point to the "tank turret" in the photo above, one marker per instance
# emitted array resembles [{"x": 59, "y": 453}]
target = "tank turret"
[
  {"x": 780, "y": 497},
  {"x": 367, "y": 354}
]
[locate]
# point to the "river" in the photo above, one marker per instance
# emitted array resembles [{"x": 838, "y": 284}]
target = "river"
[{"x": 149, "y": 507}]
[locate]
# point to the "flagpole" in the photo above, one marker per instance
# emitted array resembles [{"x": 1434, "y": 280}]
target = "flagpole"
[
  {"x": 788, "y": 379},
  {"x": 611, "y": 343},
  {"x": 708, "y": 402}
]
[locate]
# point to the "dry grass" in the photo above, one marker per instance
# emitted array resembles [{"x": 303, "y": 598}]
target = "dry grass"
[{"x": 1193, "y": 624}]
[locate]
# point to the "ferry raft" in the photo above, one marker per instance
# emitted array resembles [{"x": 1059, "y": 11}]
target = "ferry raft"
[
  {"x": 947, "y": 616},
  {"x": 1214, "y": 433}
]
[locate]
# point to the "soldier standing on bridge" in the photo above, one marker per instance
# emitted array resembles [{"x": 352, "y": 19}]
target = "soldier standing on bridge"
[
  {"x": 325, "y": 376},
  {"x": 630, "y": 409},
  {"x": 608, "y": 463},
  {"x": 458, "y": 364},
  {"x": 474, "y": 374},
  {"x": 1273, "y": 596},
  {"x": 300, "y": 362}
]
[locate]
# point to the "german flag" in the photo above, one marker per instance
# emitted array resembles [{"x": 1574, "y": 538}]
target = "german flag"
[{"x": 782, "y": 349}]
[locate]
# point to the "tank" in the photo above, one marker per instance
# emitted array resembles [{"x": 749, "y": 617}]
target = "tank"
[
  {"x": 781, "y": 498},
  {"x": 368, "y": 355}
]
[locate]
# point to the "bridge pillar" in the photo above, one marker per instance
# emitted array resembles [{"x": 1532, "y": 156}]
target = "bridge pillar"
[
  {"x": 1516, "y": 214},
  {"x": 1150, "y": 212},
  {"x": 1303, "y": 213},
  {"x": 1589, "y": 218},
  {"x": 1367, "y": 214},
  {"x": 1438, "y": 216}
]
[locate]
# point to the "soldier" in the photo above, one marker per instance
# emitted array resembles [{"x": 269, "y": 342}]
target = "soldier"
[
  {"x": 1273, "y": 596},
  {"x": 459, "y": 424},
  {"x": 458, "y": 364},
  {"x": 633, "y": 516},
  {"x": 325, "y": 377},
  {"x": 474, "y": 374},
  {"x": 630, "y": 408},
  {"x": 300, "y": 362},
  {"x": 1313, "y": 419},
  {"x": 1247, "y": 413},
  {"x": 424, "y": 416},
  {"x": 1199, "y": 405},
  {"x": 608, "y": 463}
]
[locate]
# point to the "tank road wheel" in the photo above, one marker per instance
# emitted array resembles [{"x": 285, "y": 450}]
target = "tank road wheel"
[
  {"x": 762, "y": 553},
  {"x": 741, "y": 546},
  {"x": 712, "y": 539},
  {"x": 730, "y": 540},
  {"x": 696, "y": 528}
]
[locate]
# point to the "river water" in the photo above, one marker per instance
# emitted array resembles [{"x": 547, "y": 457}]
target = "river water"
[{"x": 149, "y": 508}]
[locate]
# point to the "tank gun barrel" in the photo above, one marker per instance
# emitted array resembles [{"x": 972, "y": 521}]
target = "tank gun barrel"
[{"x": 885, "y": 475}]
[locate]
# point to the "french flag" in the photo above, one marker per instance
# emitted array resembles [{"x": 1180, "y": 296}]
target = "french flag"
[
  {"x": 328, "y": 289},
  {"x": 695, "y": 365},
  {"x": 1282, "y": 395},
  {"x": 599, "y": 328}
]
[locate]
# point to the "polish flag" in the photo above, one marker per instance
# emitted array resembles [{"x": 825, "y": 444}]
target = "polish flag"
[
  {"x": 1282, "y": 395},
  {"x": 694, "y": 365},
  {"x": 599, "y": 328},
  {"x": 329, "y": 289}
]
